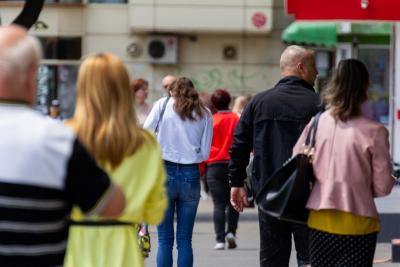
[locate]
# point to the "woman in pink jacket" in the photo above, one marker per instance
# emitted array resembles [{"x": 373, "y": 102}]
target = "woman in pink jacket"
[{"x": 352, "y": 166}]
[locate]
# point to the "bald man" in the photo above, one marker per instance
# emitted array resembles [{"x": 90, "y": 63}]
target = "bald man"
[
  {"x": 270, "y": 124},
  {"x": 44, "y": 169},
  {"x": 166, "y": 82}
]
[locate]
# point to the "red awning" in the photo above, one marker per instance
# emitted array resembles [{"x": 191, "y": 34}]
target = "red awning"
[{"x": 382, "y": 10}]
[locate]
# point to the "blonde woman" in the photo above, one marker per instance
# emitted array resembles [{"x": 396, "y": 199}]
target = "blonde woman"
[{"x": 105, "y": 124}]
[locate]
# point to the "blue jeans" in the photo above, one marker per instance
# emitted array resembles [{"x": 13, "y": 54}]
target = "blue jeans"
[{"x": 183, "y": 189}]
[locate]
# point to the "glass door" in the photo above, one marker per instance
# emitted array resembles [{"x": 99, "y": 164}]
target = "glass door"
[{"x": 377, "y": 60}]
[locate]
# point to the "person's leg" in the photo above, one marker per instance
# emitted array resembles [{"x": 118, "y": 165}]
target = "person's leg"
[
  {"x": 275, "y": 241},
  {"x": 219, "y": 195},
  {"x": 329, "y": 250},
  {"x": 323, "y": 249},
  {"x": 233, "y": 218},
  {"x": 232, "y": 215},
  {"x": 166, "y": 238},
  {"x": 186, "y": 209},
  {"x": 166, "y": 229},
  {"x": 301, "y": 234}
]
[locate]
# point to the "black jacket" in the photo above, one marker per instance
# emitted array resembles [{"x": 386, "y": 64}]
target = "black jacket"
[{"x": 271, "y": 124}]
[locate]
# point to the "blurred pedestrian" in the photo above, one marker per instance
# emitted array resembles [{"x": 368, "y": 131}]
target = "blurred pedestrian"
[
  {"x": 44, "y": 169},
  {"x": 166, "y": 82},
  {"x": 240, "y": 103},
  {"x": 54, "y": 110},
  {"x": 380, "y": 108},
  {"x": 184, "y": 133},
  {"x": 270, "y": 124},
  {"x": 104, "y": 122},
  {"x": 140, "y": 89},
  {"x": 352, "y": 166},
  {"x": 224, "y": 122},
  {"x": 368, "y": 110}
]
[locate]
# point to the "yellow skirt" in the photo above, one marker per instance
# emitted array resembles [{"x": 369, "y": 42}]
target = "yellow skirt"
[{"x": 103, "y": 246}]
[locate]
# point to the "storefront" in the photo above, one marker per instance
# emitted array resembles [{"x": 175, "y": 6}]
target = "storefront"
[
  {"x": 383, "y": 60},
  {"x": 369, "y": 43},
  {"x": 57, "y": 73}
]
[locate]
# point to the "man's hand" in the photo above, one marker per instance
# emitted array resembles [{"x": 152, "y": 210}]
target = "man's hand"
[{"x": 239, "y": 198}]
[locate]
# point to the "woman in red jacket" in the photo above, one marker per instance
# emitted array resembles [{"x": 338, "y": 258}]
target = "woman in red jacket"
[{"x": 224, "y": 122}]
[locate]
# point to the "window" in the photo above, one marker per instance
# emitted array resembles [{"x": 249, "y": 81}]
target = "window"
[
  {"x": 57, "y": 82},
  {"x": 66, "y": 48},
  {"x": 325, "y": 66},
  {"x": 377, "y": 61}
]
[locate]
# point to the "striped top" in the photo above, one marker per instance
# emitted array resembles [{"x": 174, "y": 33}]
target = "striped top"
[{"x": 43, "y": 172}]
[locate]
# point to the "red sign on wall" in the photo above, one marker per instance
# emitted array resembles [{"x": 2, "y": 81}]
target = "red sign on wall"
[{"x": 259, "y": 19}]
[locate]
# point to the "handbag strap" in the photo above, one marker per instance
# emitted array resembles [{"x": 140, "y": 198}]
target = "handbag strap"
[
  {"x": 161, "y": 115},
  {"x": 313, "y": 126}
]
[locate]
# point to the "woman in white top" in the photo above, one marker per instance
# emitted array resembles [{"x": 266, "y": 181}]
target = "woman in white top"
[{"x": 184, "y": 133}]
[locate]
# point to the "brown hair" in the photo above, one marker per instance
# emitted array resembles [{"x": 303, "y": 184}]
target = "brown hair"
[
  {"x": 137, "y": 84},
  {"x": 347, "y": 90},
  {"x": 171, "y": 86},
  {"x": 104, "y": 118},
  {"x": 187, "y": 100}
]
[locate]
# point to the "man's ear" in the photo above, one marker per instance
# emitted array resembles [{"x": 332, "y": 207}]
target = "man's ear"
[{"x": 300, "y": 67}]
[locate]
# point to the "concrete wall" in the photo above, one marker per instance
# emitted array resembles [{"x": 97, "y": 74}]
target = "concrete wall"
[
  {"x": 206, "y": 15},
  {"x": 202, "y": 35}
]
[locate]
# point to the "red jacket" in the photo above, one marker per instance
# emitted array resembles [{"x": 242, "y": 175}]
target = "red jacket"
[{"x": 224, "y": 123}]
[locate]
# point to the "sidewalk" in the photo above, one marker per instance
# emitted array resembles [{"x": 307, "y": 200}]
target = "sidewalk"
[{"x": 246, "y": 254}]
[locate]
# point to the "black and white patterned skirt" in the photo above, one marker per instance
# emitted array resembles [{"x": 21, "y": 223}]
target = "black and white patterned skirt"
[{"x": 341, "y": 250}]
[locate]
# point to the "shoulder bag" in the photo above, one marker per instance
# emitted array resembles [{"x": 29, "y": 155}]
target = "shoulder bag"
[
  {"x": 161, "y": 115},
  {"x": 286, "y": 193}
]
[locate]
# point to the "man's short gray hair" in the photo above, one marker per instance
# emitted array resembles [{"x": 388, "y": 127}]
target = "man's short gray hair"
[
  {"x": 18, "y": 58},
  {"x": 299, "y": 49},
  {"x": 299, "y": 54}
]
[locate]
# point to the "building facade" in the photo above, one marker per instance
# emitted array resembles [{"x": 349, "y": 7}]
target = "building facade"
[{"x": 233, "y": 44}]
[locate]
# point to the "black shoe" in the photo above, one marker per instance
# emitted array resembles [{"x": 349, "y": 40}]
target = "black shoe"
[{"x": 231, "y": 240}]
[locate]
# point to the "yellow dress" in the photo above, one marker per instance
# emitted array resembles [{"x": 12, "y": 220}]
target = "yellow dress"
[
  {"x": 142, "y": 177},
  {"x": 341, "y": 222}
]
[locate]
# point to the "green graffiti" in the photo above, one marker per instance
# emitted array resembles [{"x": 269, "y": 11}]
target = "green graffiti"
[
  {"x": 205, "y": 80},
  {"x": 210, "y": 80},
  {"x": 179, "y": 71}
]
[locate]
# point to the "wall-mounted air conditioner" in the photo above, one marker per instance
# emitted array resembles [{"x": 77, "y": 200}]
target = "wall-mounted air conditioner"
[{"x": 162, "y": 49}]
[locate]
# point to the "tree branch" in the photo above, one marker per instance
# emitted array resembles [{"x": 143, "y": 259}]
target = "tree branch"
[{"x": 29, "y": 14}]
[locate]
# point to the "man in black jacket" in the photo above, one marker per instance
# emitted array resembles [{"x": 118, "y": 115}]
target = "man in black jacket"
[{"x": 270, "y": 124}]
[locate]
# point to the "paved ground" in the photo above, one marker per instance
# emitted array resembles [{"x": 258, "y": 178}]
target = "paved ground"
[{"x": 248, "y": 239}]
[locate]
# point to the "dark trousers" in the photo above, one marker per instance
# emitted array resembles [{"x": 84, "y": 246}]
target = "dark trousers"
[
  {"x": 276, "y": 241},
  {"x": 218, "y": 183}
]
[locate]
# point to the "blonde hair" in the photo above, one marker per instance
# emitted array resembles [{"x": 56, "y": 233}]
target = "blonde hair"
[{"x": 104, "y": 118}]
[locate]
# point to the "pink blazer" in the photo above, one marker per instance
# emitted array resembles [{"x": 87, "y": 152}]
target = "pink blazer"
[{"x": 351, "y": 165}]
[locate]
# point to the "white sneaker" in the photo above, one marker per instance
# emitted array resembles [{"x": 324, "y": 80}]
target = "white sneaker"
[
  {"x": 204, "y": 195},
  {"x": 219, "y": 246},
  {"x": 231, "y": 240}
]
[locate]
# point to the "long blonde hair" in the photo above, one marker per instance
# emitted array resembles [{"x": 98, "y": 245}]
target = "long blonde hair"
[{"x": 104, "y": 118}]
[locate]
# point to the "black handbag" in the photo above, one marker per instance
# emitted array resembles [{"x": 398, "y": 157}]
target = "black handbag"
[{"x": 286, "y": 193}]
